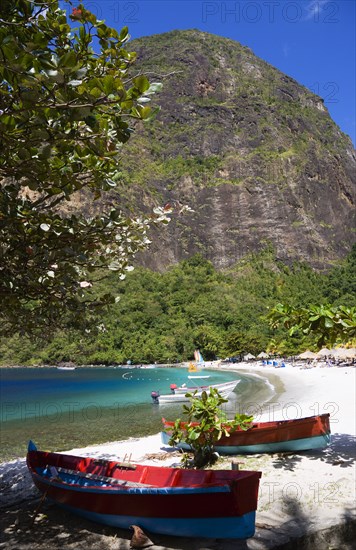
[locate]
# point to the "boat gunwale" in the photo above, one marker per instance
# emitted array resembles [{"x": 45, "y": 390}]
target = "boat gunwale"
[
  {"x": 180, "y": 395},
  {"x": 206, "y": 387},
  {"x": 114, "y": 483},
  {"x": 132, "y": 490},
  {"x": 262, "y": 426}
]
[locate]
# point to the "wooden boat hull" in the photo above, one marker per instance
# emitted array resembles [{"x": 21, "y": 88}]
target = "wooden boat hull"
[
  {"x": 172, "y": 501},
  {"x": 240, "y": 528},
  {"x": 300, "y": 434}
]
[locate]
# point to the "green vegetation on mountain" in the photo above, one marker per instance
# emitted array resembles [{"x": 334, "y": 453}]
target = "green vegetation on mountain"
[{"x": 163, "y": 317}]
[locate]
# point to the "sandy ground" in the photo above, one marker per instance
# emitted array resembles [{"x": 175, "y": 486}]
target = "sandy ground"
[{"x": 309, "y": 494}]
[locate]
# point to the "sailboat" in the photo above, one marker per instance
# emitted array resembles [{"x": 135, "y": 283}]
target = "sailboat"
[{"x": 194, "y": 368}]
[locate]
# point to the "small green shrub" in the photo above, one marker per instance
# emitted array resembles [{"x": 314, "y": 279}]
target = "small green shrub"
[{"x": 205, "y": 424}]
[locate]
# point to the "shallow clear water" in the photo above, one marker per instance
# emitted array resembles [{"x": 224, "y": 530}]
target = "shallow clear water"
[{"x": 64, "y": 409}]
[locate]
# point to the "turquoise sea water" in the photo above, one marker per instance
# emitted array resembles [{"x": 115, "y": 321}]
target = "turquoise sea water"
[{"x": 60, "y": 409}]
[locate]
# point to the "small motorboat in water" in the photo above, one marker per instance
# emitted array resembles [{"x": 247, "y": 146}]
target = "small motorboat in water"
[{"x": 179, "y": 394}]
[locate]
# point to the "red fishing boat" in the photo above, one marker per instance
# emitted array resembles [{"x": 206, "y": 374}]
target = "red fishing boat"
[
  {"x": 299, "y": 434},
  {"x": 172, "y": 501}
]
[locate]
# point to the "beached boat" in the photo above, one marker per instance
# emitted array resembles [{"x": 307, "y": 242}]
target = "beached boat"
[
  {"x": 178, "y": 395},
  {"x": 171, "y": 501},
  {"x": 300, "y": 434}
]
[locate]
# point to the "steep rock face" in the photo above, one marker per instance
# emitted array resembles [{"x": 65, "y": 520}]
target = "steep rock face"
[{"x": 255, "y": 154}]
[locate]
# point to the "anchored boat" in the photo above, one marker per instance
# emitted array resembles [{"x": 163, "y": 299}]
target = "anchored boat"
[{"x": 178, "y": 394}]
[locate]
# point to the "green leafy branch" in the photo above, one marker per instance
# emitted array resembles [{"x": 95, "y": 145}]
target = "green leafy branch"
[
  {"x": 204, "y": 425},
  {"x": 329, "y": 323}
]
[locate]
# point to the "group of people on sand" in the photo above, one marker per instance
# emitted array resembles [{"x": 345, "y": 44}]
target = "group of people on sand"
[{"x": 330, "y": 362}]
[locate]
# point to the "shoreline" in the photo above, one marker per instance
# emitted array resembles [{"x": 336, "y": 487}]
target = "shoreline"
[
  {"x": 94, "y": 406},
  {"x": 91, "y": 366},
  {"x": 300, "y": 493}
]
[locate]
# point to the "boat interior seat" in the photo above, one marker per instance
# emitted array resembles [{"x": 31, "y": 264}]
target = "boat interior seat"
[
  {"x": 143, "y": 475},
  {"x": 165, "y": 477},
  {"x": 190, "y": 478}
]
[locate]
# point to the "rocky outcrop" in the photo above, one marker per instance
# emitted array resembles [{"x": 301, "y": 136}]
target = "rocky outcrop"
[{"x": 252, "y": 152}]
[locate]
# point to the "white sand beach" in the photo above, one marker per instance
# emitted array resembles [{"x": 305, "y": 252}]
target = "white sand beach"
[{"x": 300, "y": 494}]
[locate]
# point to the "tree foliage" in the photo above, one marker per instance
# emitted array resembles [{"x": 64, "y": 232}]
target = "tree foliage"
[
  {"x": 327, "y": 322},
  {"x": 68, "y": 99},
  {"x": 163, "y": 317}
]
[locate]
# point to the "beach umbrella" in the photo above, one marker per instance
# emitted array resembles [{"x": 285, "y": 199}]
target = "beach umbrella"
[
  {"x": 338, "y": 353},
  {"x": 345, "y": 353},
  {"x": 249, "y": 356},
  {"x": 325, "y": 352},
  {"x": 307, "y": 355},
  {"x": 262, "y": 355}
]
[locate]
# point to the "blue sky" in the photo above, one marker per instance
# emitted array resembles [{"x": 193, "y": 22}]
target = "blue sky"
[{"x": 312, "y": 41}]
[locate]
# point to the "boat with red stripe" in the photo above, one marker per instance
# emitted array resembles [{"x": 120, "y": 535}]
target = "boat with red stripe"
[
  {"x": 300, "y": 434},
  {"x": 172, "y": 501}
]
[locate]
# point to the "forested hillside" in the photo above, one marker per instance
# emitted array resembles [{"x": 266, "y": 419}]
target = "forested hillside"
[{"x": 163, "y": 317}]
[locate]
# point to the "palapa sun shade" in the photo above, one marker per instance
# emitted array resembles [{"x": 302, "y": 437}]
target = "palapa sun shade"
[
  {"x": 307, "y": 355},
  {"x": 262, "y": 355},
  {"x": 344, "y": 353},
  {"x": 325, "y": 352}
]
